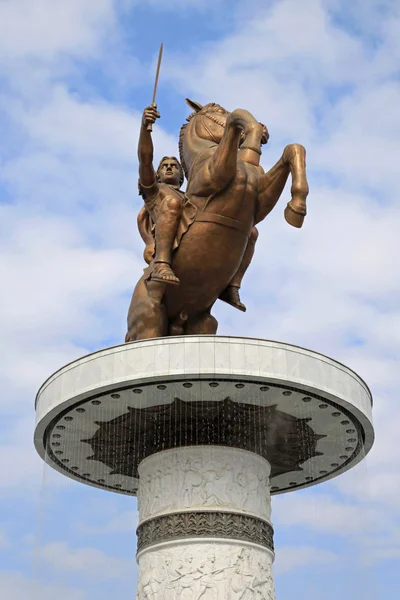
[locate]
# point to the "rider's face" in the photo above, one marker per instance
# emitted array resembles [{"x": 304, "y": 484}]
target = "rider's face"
[{"x": 169, "y": 172}]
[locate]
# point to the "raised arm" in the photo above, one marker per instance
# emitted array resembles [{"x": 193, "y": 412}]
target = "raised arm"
[{"x": 147, "y": 174}]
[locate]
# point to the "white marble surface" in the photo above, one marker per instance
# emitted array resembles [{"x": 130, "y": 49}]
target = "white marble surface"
[
  {"x": 204, "y": 478},
  {"x": 214, "y": 570},
  {"x": 137, "y": 362},
  {"x": 227, "y": 359}
]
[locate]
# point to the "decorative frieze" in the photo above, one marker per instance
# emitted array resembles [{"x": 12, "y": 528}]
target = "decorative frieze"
[
  {"x": 208, "y": 571},
  {"x": 204, "y": 477},
  {"x": 205, "y": 524}
]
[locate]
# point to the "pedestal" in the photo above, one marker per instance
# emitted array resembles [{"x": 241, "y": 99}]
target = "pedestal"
[
  {"x": 204, "y": 529},
  {"x": 198, "y": 427}
]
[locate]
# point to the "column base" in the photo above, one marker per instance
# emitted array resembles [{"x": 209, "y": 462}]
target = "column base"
[{"x": 206, "y": 570}]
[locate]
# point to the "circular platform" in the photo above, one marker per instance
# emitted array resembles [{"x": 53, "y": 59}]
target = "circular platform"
[{"x": 101, "y": 415}]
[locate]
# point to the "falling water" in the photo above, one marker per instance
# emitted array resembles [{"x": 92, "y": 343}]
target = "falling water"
[
  {"x": 39, "y": 527},
  {"x": 82, "y": 543}
]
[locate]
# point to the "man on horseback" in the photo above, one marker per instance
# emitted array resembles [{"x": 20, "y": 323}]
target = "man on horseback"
[
  {"x": 159, "y": 218},
  {"x": 206, "y": 234}
]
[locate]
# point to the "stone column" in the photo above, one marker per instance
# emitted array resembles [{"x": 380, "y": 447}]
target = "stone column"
[{"x": 204, "y": 525}]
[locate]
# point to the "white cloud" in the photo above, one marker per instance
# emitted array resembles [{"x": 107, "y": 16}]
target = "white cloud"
[
  {"x": 294, "y": 557},
  {"x": 377, "y": 481},
  {"x": 64, "y": 124},
  {"x": 364, "y": 134},
  {"x": 45, "y": 28},
  {"x": 93, "y": 129},
  {"x": 123, "y": 522},
  {"x": 325, "y": 514},
  {"x": 4, "y": 542},
  {"x": 282, "y": 50},
  {"x": 14, "y": 586},
  {"x": 20, "y": 470},
  {"x": 173, "y": 5},
  {"x": 57, "y": 288},
  {"x": 89, "y": 562},
  {"x": 58, "y": 270}
]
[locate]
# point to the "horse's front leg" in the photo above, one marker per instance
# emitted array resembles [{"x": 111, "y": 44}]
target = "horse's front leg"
[
  {"x": 271, "y": 184},
  {"x": 224, "y": 164},
  {"x": 296, "y": 210},
  {"x": 217, "y": 173}
]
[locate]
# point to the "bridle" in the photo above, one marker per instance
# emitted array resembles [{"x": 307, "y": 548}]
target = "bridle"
[{"x": 215, "y": 119}]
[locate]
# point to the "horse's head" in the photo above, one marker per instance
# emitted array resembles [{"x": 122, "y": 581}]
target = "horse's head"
[
  {"x": 217, "y": 114},
  {"x": 204, "y": 129},
  {"x": 209, "y": 120}
]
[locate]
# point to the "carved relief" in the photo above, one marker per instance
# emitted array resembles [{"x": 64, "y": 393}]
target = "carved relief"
[
  {"x": 175, "y": 526},
  {"x": 198, "y": 478},
  {"x": 205, "y": 572}
]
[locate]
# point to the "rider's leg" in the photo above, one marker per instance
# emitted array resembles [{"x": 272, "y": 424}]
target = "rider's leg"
[
  {"x": 231, "y": 293},
  {"x": 168, "y": 218}
]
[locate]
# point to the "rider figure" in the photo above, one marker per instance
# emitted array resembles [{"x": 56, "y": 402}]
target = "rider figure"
[
  {"x": 159, "y": 218},
  {"x": 163, "y": 202}
]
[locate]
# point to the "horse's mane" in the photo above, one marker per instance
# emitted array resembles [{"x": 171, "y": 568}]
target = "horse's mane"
[
  {"x": 211, "y": 107},
  {"x": 182, "y": 159}
]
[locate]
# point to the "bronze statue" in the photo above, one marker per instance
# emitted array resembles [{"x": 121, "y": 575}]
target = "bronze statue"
[
  {"x": 200, "y": 243},
  {"x": 159, "y": 218}
]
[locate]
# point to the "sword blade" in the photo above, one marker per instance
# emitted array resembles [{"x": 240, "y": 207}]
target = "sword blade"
[{"x": 160, "y": 53}]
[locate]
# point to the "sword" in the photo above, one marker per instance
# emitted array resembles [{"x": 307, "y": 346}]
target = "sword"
[{"x": 160, "y": 53}]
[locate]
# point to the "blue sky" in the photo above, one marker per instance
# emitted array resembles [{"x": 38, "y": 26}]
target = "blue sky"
[{"x": 74, "y": 78}]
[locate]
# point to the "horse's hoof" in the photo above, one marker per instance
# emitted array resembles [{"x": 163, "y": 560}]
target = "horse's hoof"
[{"x": 295, "y": 216}]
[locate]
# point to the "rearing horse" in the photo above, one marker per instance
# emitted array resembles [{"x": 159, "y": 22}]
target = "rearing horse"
[{"x": 227, "y": 194}]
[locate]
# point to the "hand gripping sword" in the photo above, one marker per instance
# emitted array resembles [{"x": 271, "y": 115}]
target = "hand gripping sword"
[{"x": 160, "y": 53}]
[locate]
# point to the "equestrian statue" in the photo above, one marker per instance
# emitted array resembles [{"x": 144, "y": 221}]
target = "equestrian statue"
[{"x": 200, "y": 242}]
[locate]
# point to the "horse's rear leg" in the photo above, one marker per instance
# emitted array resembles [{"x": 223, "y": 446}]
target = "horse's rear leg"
[
  {"x": 204, "y": 324},
  {"x": 147, "y": 316}
]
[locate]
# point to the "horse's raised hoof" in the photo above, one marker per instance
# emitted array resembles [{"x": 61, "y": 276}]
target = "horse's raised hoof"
[
  {"x": 230, "y": 295},
  {"x": 295, "y": 212},
  {"x": 162, "y": 273}
]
